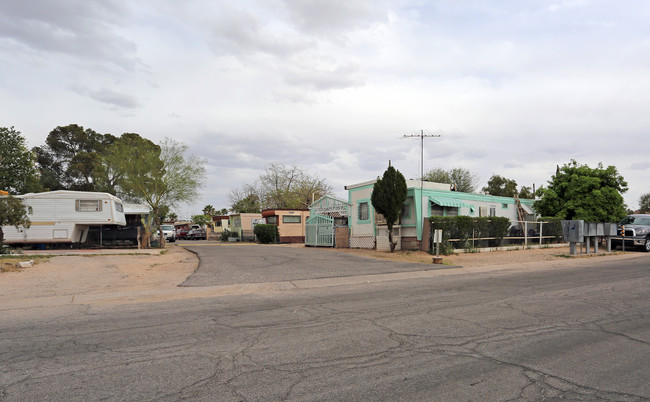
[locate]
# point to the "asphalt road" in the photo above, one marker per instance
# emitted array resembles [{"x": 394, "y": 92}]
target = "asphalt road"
[
  {"x": 236, "y": 264},
  {"x": 574, "y": 332}
]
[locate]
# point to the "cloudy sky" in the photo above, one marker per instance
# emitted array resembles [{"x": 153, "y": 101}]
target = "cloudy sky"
[{"x": 513, "y": 87}]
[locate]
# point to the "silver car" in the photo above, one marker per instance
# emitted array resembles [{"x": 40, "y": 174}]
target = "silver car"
[{"x": 169, "y": 232}]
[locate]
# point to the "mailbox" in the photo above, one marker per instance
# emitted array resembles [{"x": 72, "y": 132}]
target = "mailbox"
[
  {"x": 610, "y": 229},
  {"x": 573, "y": 231}
]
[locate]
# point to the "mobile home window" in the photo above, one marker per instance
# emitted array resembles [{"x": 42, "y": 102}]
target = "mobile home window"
[
  {"x": 493, "y": 211},
  {"x": 89, "y": 205},
  {"x": 290, "y": 219},
  {"x": 119, "y": 207},
  {"x": 451, "y": 211},
  {"x": 406, "y": 211},
  {"x": 437, "y": 210},
  {"x": 272, "y": 220},
  {"x": 363, "y": 211}
]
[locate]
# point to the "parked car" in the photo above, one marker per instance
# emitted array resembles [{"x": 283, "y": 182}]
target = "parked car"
[
  {"x": 169, "y": 233},
  {"x": 637, "y": 232},
  {"x": 181, "y": 232},
  {"x": 197, "y": 234}
]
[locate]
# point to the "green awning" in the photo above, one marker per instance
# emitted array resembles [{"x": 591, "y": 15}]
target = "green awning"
[{"x": 449, "y": 202}]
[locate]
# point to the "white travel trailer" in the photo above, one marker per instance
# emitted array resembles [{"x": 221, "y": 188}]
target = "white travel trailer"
[{"x": 65, "y": 216}]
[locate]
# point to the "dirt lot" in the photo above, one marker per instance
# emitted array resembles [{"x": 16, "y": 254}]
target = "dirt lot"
[
  {"x": 469, "y": 260},
  {"x": 70, "y": 275}
]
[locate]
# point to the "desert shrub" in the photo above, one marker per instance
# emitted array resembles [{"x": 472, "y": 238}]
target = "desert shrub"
[{"x": 266, "y": 233}]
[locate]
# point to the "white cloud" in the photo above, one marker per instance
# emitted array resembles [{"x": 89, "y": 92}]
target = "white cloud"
[
  {"x": 243, "y": 32},
  {"x": 335, "y": 20},
  {"x": 82, "y": 30},
  {"x": 110, "y": 97},
  {"x": 333, "y": 86}
]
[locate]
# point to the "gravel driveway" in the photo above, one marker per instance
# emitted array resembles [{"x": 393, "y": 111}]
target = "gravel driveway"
[{"x": 237, "y": 264}]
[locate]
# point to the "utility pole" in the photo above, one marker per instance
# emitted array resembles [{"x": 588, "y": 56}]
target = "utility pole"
[{"x": 421, "y": 136}]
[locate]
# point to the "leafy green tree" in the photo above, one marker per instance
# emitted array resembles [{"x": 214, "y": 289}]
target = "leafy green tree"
[
  {"x": 163, "y": 213},
  {"x": 202, "y": 220},
  {"x": 12, "y": 213},
  {"x": 244, "y": 201},
  {"x": 108, "y": 172},
  {"x": 172, "y": 217},
  {"x": 68, "y": 159},
  {"x": 388, "y": 196},
  {"x": 161, "y": 176},
  {"x": 18, "y": 174},
  {"x": 463, "y": 180},
  {"x": 644, "y": 203},
  {"x": 526, "y": 193},
  {"x": 223, "y": 211},
  {"x": 500, "y": 186},
  {"x": 307, "y": 189},
  {"x": 580, "y": 192}
]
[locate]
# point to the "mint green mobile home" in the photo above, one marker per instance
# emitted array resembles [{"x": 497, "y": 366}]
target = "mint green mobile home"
[{"x": 424, "y": 199}]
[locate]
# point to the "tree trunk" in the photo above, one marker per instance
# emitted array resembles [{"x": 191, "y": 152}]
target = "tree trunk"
[
  {"x": 160, "y": 230},
  {"x": 162, "y": 237},
  {"x": 390, "y": 238}
]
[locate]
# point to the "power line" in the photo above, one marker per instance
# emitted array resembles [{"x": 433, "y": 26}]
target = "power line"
[{"x": 422, "y": 136}]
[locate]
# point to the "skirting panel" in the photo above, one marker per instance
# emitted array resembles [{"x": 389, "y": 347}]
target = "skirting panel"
[{"x": 362, "y": 242}]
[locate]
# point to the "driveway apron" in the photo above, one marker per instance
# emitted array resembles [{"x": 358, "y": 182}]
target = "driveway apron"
[{"x": 238, "y": 264}]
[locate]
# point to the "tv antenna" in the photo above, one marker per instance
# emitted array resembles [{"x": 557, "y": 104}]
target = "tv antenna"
[{"x": 422, "y": 136}]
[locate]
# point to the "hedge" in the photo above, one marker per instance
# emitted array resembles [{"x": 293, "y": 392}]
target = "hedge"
[
  {"x": 266, "y": 233},
  {"x": 464, "y": 228}
]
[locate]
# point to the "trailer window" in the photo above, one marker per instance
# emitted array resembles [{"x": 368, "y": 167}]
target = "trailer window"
[
  {"x": 119, "y": 207},
  {"x": 89, "y": 205},
  {"x": 290, "y": 219}
]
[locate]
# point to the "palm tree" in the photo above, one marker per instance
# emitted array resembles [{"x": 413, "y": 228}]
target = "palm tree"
[{"x": 209, "y": 210}]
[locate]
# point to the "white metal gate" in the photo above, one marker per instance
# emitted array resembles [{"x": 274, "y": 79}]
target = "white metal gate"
[{"x": 319, "y": 231}]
